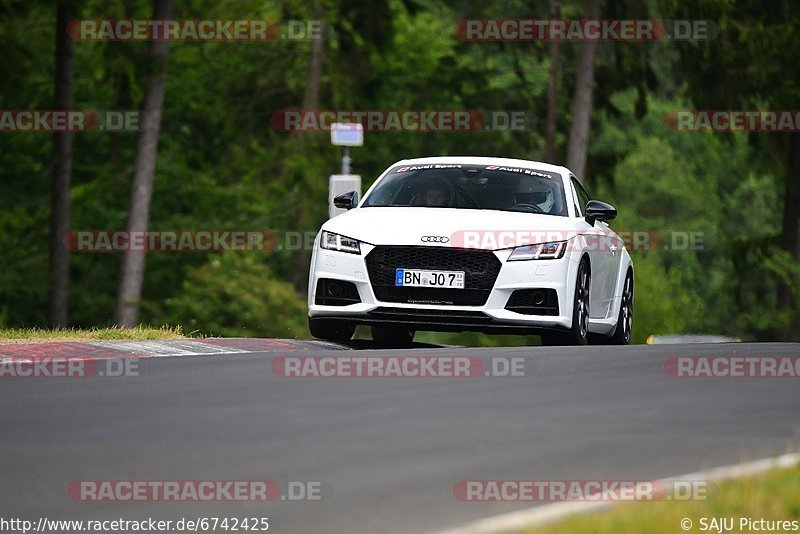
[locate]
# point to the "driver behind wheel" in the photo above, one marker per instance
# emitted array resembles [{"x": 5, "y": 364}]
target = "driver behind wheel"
[
  {"x": 434, "y": 194},
  {"x": 544, "y": 200}
]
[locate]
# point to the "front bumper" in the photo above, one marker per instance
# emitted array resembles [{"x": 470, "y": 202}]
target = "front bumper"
[{"x": 491, "y": 317}]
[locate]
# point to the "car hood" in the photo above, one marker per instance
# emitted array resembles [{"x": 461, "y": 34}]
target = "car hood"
[{"x": 468, "y": 228}]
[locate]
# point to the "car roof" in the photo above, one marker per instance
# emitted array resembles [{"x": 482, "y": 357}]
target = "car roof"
[{"x": 484, "y": 160}]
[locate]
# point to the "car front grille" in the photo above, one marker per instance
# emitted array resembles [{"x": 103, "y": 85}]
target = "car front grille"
[{"x": 481, "y": 268}]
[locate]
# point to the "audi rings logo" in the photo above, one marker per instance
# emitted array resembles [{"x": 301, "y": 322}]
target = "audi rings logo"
[{"x": 434, "y": 239}]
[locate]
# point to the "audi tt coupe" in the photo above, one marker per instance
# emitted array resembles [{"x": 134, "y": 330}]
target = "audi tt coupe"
[{"x": 472, "y": 244}]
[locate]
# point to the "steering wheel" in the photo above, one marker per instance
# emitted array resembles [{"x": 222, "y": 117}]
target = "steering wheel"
[{"x": 533, "y": 207}]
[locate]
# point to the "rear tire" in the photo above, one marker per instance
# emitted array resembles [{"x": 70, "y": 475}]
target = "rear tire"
[
  {"x": 392, "y": 336},
  {"x": 579, "y": 332},
  {"x": 331, "y": 329}
]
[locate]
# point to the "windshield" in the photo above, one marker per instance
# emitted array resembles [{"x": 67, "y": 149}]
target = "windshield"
[{"x": 486, "y": 187}]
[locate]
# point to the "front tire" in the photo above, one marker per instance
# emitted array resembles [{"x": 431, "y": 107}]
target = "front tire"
[
  {"x": 622, "y": 333},
  {"x": 331, "y": 329},
  {"x": 579, "y": 332}
]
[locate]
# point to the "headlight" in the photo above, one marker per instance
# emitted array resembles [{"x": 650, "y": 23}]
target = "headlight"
[
  {"x": 338, "y": 242},
  {"x": 543, "y": 251}
]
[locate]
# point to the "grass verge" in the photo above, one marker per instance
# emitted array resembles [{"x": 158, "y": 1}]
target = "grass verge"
[
  {"x": 24, "y": 335},
  {"x": 772, "y": 496}
]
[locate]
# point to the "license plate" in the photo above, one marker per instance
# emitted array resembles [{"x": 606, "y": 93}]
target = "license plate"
[{"x": 419, "y": 278}]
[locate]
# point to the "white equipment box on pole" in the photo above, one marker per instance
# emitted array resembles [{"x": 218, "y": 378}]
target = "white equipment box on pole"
[{"x": 346, "y": 135}]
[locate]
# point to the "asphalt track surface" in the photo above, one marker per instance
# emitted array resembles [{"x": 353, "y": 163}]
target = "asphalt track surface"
[{"x": 388, "y": 450}]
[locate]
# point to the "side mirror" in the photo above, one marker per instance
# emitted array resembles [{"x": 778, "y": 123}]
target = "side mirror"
[
  {"x": 346, "y": 201},
  {"x": 599, "y": 211}
]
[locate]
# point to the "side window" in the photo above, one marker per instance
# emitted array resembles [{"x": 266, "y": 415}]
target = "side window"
[
  {"x": 583, "y": 196},
  {"x": 576, "y": 203}
]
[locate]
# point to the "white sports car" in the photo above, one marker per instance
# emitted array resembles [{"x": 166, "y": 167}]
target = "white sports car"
[{"x": 472, "y": 244}]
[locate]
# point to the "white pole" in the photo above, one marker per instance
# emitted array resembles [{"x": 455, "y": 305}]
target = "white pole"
[{"x": 346, "y": 161}]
